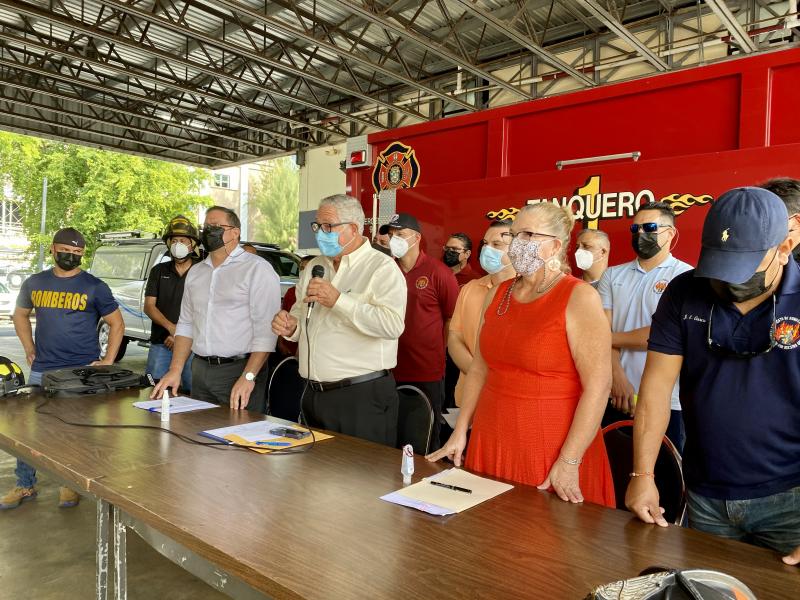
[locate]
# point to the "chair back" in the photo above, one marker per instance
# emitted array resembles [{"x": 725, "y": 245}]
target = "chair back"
[
  {"x": 285, "y": 389},
  {"x": 414, "y": 419},
  {"x": 618, "y": 439}
]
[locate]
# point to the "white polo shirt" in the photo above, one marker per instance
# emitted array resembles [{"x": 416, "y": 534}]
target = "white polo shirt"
[{"x": 632, "y": 295}]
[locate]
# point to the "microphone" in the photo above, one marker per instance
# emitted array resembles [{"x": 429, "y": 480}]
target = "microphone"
[{"x": 317, "y": 271}]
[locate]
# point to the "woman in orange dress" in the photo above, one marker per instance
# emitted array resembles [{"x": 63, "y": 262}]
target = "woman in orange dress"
[{"x": 541, "y": 376}]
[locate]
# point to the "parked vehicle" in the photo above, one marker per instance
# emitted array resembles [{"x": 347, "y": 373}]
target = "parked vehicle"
[
  {"x": 7, "y": 301},
  {"x": 124, "y": 259}
]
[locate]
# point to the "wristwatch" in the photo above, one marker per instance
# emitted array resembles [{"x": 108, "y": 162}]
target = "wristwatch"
[{"x": 249, "y": 376}]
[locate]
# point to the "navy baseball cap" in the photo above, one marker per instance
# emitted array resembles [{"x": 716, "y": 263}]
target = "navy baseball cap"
[
  {"x": 739, "y": 229},
  {"x": 400, "y": 221}
]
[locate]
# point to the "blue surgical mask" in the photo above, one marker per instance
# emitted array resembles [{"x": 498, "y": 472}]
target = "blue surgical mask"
[
  {"x": 491, "y": 260},
  {"x": 328, "y": 243}
]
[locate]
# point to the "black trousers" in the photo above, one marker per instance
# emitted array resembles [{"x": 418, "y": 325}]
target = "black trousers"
[
  {"x": 365, "y": 410},
  {"x": 213, "y": 383},
  {"x": 434, "y": 390}
]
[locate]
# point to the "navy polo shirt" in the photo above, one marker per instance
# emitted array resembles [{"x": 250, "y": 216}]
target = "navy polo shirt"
[{"x": 742, "y": 415}]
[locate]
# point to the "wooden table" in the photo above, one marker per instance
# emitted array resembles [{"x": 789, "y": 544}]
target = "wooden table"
[{"x": 311, "y": 525}]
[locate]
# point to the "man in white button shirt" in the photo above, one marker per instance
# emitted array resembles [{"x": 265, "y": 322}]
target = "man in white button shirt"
[
  {"x": 349, "y": 344},
  {"x": 228, "y": 301},
  {"x": 630, "y": 293}
]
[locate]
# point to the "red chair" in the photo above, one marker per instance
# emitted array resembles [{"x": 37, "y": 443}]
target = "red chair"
[{"x": 618, "y": 438}]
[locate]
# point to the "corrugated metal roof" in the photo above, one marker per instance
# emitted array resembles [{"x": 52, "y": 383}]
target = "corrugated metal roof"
[{"x": 213, "y": 82}]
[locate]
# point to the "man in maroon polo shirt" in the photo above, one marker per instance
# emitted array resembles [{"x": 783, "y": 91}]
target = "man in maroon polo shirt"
[{"x": 432, "y": 294}]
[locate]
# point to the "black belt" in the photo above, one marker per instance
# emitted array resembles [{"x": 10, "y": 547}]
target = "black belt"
[
  {"x": 324, "y": 386},
  {"x": 222, "y": 360}
]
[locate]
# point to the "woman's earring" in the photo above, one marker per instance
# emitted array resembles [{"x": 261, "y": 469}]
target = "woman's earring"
[{"x": 553, "y": 264}]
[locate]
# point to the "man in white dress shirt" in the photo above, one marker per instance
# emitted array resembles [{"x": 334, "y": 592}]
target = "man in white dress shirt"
[
  {"x": 348, "y": 346},
  {"x": 228, "y": 301}
]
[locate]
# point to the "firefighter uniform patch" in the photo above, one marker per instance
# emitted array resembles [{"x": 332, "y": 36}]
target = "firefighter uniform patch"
[{"x": 787, "y": 333}]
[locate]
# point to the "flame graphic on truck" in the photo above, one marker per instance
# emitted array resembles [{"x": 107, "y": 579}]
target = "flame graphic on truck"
[
  {"x": 502, "y": 214},
  {"x": 682, "y": 202}
]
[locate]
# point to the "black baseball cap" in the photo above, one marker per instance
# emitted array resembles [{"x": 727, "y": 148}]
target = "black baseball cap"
[
  {"x": 400, "y": 221},
  {"x": 739, "y": 229},
  {"x": 69, "y": 237}
]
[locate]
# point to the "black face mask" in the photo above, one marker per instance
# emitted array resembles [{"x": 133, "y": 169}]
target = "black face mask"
[
  {"x": 68, "y": 261},
  {"x": 742, "y": 292},
  {"x": 645, "y": 245},
  {"x": 451, "y": 258},
  {"x": 796, "y": 254},
  {"x": 212, "y": 237}
]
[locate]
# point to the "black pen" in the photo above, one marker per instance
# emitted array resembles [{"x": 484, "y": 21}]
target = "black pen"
[{"x": 451, "y": 487}]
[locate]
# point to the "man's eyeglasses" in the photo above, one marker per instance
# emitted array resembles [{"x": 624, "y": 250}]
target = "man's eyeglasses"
[
  {"x": 326, "y": 227},
  {"x": 723, "y": 351},
  {"x": 207, "y": 225},
  {"x": 451, "y": 249},
  {"x": 647, "y": 227},
  {"x": 508, "y": 237}
]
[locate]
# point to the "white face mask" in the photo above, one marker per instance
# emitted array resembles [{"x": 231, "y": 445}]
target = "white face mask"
[
  {"x": 583, "y": 259},
  {"x": 179, "y": 250},
  {"x": 399, "y": 246}
]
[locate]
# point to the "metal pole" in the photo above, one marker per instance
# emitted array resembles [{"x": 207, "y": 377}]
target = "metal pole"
[
  {"x": 42, "y": 226},
  {"x": 103, "y": 522},
  {"x": 244, "y": 202}
]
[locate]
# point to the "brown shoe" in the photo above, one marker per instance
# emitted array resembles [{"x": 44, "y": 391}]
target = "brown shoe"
[
  {"x": 67, "y": 498},
  {"x": 16, "y": 497}
]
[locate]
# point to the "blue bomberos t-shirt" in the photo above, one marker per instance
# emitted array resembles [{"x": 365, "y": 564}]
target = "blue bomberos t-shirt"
[{"x": 67, "y": 312}]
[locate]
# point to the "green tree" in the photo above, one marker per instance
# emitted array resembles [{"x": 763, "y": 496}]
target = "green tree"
[
  {"x": 274, "y": 202},
  {"x": 95, "y": 190}
]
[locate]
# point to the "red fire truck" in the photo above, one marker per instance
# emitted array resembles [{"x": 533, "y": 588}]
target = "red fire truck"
[{"x": 683, "y": 137}]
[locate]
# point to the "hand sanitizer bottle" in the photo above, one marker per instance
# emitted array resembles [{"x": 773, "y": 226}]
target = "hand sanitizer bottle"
[
  {"x": 165, "y": 407},
  {"x": 407, "y": 468}
]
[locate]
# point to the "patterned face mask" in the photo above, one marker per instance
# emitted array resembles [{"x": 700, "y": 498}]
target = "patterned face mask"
[{"x": 524, "y": 255}]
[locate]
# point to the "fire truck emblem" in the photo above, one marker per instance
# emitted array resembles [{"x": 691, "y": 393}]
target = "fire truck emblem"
[
  {"x": 787, "y": 333},
  {"x": 396, "y": 168},
  {"x": 502, "y": 214},
  {"x": 421, "y": 283}
]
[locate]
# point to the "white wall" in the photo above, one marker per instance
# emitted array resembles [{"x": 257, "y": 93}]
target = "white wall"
[{"x": 321, "y": 175}]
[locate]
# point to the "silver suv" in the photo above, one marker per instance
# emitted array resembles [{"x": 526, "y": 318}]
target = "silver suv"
[{"x": 124, "y": 259}]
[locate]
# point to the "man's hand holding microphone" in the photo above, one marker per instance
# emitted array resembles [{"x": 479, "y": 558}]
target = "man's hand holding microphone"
[{"x": 319, "y": 290}]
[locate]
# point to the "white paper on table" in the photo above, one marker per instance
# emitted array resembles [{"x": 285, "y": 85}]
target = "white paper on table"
[
  {"x": 437, "y": 500},
  {"x": 451, "y": 416},
  {"x": 178, "y": 404},
  {"x": 256, "y": 431},
  {"x": 397, "y": 498}
]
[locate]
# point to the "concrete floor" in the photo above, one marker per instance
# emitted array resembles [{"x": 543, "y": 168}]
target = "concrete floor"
[{"x": 48, "y": 553}]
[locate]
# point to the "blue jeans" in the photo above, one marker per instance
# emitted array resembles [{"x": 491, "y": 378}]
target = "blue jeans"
[
  {"x": 26, "y": 474},
  {"x": 771, "y": 522},
  {"x": 158, "y": 361}
]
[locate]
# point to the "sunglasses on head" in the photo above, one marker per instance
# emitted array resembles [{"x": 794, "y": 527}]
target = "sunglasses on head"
[{"x": 646, "y": 227}]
